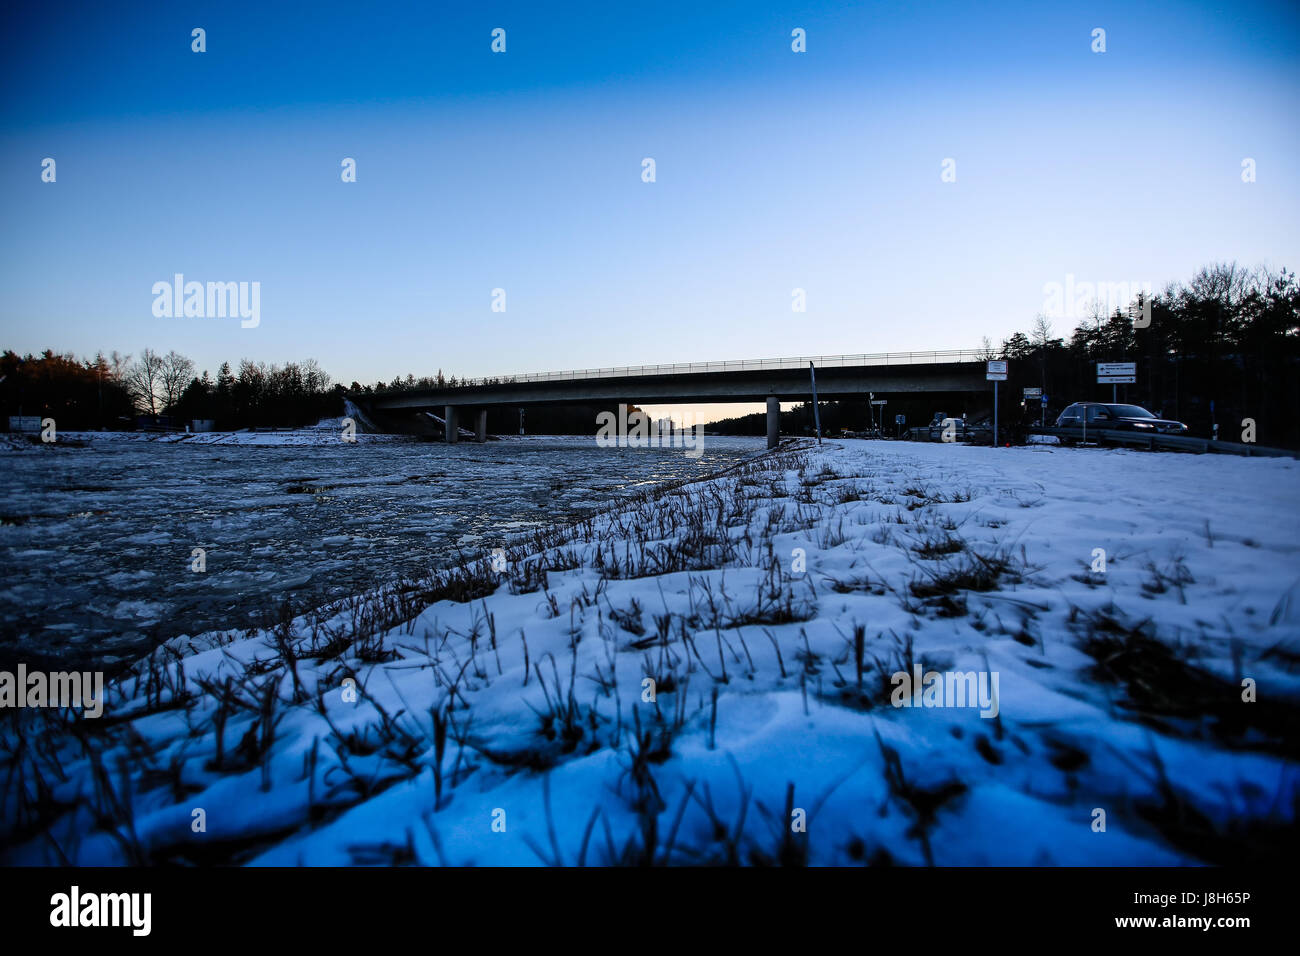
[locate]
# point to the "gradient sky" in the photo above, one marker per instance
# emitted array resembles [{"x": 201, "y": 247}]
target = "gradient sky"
[{"x": 522, "y": 171}]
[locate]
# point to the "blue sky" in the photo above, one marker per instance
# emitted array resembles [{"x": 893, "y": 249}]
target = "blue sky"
[{"x": 522, "y": 171}]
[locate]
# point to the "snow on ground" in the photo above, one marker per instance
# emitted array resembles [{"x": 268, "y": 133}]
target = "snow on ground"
[{"x": 502, "y": 715}]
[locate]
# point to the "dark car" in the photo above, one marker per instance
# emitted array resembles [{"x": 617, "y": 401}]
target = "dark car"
[{"x": 1118, "y": 418}]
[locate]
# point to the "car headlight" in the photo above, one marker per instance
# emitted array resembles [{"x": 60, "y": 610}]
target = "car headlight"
[{"x": 1142, "y": 425}]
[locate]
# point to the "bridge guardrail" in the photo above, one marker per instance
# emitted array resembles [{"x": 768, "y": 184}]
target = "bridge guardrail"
[
  {"x": 737, "y": 365},
  {"x": 1168, "y": 442},
  {"x": 821, "y": 361}
]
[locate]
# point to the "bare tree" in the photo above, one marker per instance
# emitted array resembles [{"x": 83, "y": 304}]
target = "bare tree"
[
  {"x": 1224, "y": 282},
  {"x": 1096, "y": 312},
  {"x": 118, "y": 365},
  {"x": 174, "y": 374},
  {"x": 986, "y": 350},
  {"x": 142, "y": 379},
  {"x": 315, "y": 378},
  {"x": 1042, "y": 331}
]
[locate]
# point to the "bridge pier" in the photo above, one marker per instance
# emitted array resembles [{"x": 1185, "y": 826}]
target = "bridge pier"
[
  {"x": 480, "y": 426},
  {"x": 452, "y": 429},
  {"x": 773, "y": 421}
]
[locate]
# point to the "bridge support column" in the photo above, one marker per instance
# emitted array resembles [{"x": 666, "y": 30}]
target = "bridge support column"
[
  {"x": 480, "y": 425},
  {"x": 773, "y": 422},
  {"x": 452, "y": 429}
]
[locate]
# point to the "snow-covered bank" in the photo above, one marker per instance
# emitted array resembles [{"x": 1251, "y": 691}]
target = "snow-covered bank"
[{"x": 501, "y": 715}]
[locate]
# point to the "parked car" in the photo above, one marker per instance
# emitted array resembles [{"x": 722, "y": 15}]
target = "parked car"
[
  {"x": 1118, "y": 418},
  {"x": 957, "y": 430},
  {"x": 934, "y": 431}
]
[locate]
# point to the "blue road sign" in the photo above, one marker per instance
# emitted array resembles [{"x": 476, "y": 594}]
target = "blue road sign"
[{"x": 1044, "y": 401}]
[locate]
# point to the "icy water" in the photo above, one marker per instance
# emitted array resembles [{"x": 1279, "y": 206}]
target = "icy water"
[{"x": 96, "y": 543}]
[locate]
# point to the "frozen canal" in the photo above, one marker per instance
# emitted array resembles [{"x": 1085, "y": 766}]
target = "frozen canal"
[{"x": 96, "y": 542}]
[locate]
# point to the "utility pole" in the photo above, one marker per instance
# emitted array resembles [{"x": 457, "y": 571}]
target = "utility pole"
[{"x": 817, "y": 418}]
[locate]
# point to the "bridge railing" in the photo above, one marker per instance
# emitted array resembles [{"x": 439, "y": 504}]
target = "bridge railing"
[
  {"x": 681, "y": 368},
  {"x": 801, "y": 361}
]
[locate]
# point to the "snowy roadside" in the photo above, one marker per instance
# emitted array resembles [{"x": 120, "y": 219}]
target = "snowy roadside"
[{"x": 503, "y": 716}]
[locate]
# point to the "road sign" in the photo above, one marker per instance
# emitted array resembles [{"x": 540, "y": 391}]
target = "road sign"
[
  {"x": 997, "y": 372},
  {"x": 880, "y": 401},
  {"x": 1033, "y": 392},
  {"x": 1112, "y": 373},
  {"x": 1044, "y": 401},
  {"x": 900, "y": 419}
]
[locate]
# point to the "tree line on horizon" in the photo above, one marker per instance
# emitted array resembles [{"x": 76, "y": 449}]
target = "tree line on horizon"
[
  {"x": 1220, "y": 348},
  {"x": 119, "y": 392}
]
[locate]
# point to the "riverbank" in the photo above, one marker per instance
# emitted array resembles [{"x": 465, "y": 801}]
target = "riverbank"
[
  {"x": 715, "y": 672},
  {"x": 327, "y": 433}
]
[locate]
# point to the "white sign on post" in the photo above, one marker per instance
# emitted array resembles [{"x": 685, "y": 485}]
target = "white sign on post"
[
  {"x": 1116, "y": 373},
  {"x": 997, "y": 372}
]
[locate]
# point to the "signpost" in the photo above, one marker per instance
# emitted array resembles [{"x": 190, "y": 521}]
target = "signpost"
[
  {"x": 1116, "y": 373},
  {"x": 997, "y": 372},
  {"x": 878, "y": 426},
  {"x": 1031, "y": 393}
]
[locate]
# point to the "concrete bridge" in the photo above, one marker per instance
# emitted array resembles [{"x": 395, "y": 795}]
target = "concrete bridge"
[{"x": 754, "y": 380}]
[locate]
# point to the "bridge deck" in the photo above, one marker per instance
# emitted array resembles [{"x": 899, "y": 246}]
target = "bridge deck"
[{"x": 840, "y": 376}]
